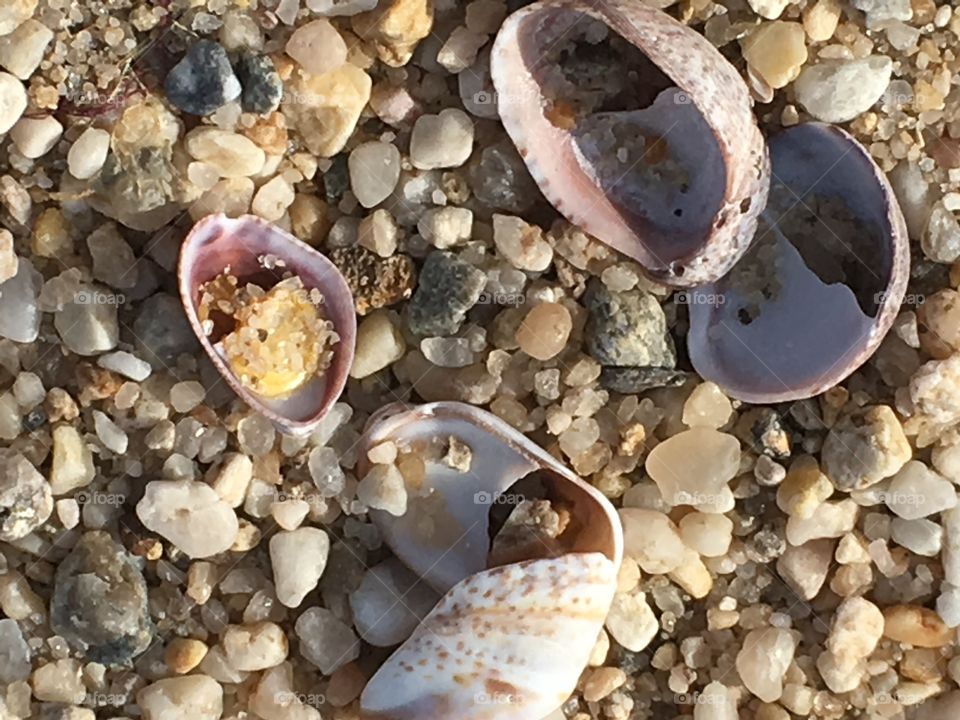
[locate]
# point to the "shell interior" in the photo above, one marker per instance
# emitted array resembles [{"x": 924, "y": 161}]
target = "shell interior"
[
  {"x": 217, "y": 243},
  {"x": 818, "y": 288},
  {"x": 445, "y": 534}
]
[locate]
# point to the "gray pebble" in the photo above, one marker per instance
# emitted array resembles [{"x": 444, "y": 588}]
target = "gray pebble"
[
  {"x": 203, "y": 80},
  {"x": 627, "y": 329},
  {"x": 449, "y": 286},
  {"x": 100, "y": 600},
  {"x": 162, "y": 331},
  {"x": 262, "y": 87}
]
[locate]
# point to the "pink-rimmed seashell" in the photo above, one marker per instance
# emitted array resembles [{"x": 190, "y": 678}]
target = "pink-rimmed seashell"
[
  {"x": 216, "y": 243},
  {"x": 508, "y": 639},
  {"x": 822, "y": 284},
  {"x": 684, "y": 203}
]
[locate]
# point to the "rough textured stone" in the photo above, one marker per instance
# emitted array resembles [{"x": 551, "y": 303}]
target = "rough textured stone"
[
  {"x": 627, "y": 329},
  {"x": 203, "y": 81},
  {"x": 100, "y": 600},
  {"x": 449, "y": 286}
]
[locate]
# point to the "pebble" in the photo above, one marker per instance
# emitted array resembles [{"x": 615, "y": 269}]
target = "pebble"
[
  {"x": 707, "y": 406},
  {"x": 523, "y": 245},
  {"x": 380, "y": 618},
  {"x": 951, "y": 546},
  {"x": 804, "y": 488},
  {"x": 190, "y": 515},
  {"x": 769, "y": 9},
  {"x": 35, "y": 137},
  {"x": 99, "y": 601},
  {"x": 627, "y": 329},
  {"x": 325, "y": 641},
  {"x": 631, "y": 621},
  {"x": 383, "y": 488},
  {"x": 9, "y": 262},
  {"x": 820, "y": 19},
  {"x": 19, "y": 312},
  {"x": 776, "y": 51},
  {"x": 694, "y": 465},
  {"x": 185, "y": 396},
  {"x": 231, "y": 154},
  {"x": 72, "y": 465},
  {"x": 923, "y": 537},
  {"x": 839, "y": 90},
  {"x": 255, "y": 646},
  {"x": 298, "y": 558},
  {"x": 192, "y": 697},
  {"x": 88, "y": 153},
  {"x": 374, "y": 172},
  {"x": 325, "y": 109},
  {"x": 917, "y": 626},
  {"x": 26, "y": 500},
  {"x": 395, "y": 27},
  {"x": 317, "y": 47},
  {"x": 126, "y": 364},
  {"x": 109, "y": 433},
  {"x": 601, "y": 682},
  {"x": 22, "y": 50},
  {"x": 203, "y": 81},
  {"x": 719, "y": 702},
  {"x": 441, "y": 141},
  {"x": 184, "y": 654},
  {"x": 13, "y": 101},
  {"x": 446, "y": 227},
  {"x": 879, "y": 11},
  {"x": 544, "y": 330},
  {"x": 864, "y": 448},
  {"x": 831, "y": 520},
  {"x": 651, "y": 538},
  {"x": 918, "y": 492},
  {"x": 275, "y": 697},
  {"x": 449, "y": 286},
  {"x": 378, "y": 232},
  {"x": 162, "y": 330},
  {"x": 380, "y": 343},
  {"x": 59, "y": 681},
  {"x": 15, "y": 653},
  {"x": 337, "y": 8},
  {"x": 709, "y": 534},
  {"x": 88, "y": 324},
  {"x": 261, "y": 83},
  {"x": 14, "y": 12},
  {"x": 763, "y": 661},
  {"x": 805, "y": 568},
  {"x": 114, "y": 261},
  {"x": 272, "y": 199}
]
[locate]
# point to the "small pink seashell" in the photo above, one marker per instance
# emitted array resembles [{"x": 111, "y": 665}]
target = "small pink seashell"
[
  {"x": 652, "y": 148},
  {"x": 822, "y": 284},
  {"x": 243, "y": 246}
]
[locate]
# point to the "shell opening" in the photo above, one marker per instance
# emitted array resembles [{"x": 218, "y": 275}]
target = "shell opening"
[
  {"x": 634, "y": 132},
  {"x": 541, "y": 516}
]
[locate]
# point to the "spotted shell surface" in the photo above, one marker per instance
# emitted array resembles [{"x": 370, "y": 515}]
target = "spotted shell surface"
[
  {"x": 705, "y": 80},
  {"x": 812, "y": 334},
  {"x": 217, "y": 242}
]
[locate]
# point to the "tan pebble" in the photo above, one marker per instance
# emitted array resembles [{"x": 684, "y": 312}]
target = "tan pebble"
[
  {"x": 924, "y": 665},
  {"x": 776, "y": 51},
  {"x": 183, "y": 654},
  {"x": 693, "y": 576},
  {"x": 820, "y": 19},
  {"x": 598, "y": 655},
  {"x": 804, "y": 488},
  {"x": 601, "y": 682},
  {"x": 345, "y": 685},
  {"x": 629, "y": 575},
  {"x": 395, "y": 27},
  {"x": 269, "y": 132},
  {"x": 917, "y": 626},
  {"x": 544, "y": 331},
  {"x": 317, "y": 47}
]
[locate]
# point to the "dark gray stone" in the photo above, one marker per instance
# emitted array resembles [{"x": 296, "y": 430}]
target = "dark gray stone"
[
  {"x": 630, "y": 381},
  {"x": 203, "y": 80},
  {"x": 262, "y": 87},
  {"x": 163, "y": 331},
  {"x": 627, "y": 329},
  {"x": 448, "y": 287},
  {"x": 100, "y": 601}
]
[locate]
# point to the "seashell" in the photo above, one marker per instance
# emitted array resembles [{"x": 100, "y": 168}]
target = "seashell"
[
  {"x": 664, "y": 161},
  {"x": 254, "y": 251},
  {"x": 820, "y": 286},
  {"x": 517, "y": 621}
]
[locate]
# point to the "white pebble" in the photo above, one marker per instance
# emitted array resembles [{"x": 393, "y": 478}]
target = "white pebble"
[
  {"x": 88, "y": 153},
  {"x": 13, "y": 101},
  {"x": 374, "y": 171},
  {"x": 192, "y": 697},
  {"x": 298, "y": 559},
  {"x": 190, "y": 515},
  {"x": 839, "y": 90},
  {"x": 441, "y": 141},
  {"x": 22, "y": 50},
  {"x": 35, "y": 137},
  {"x": 125, "y": 364}
]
